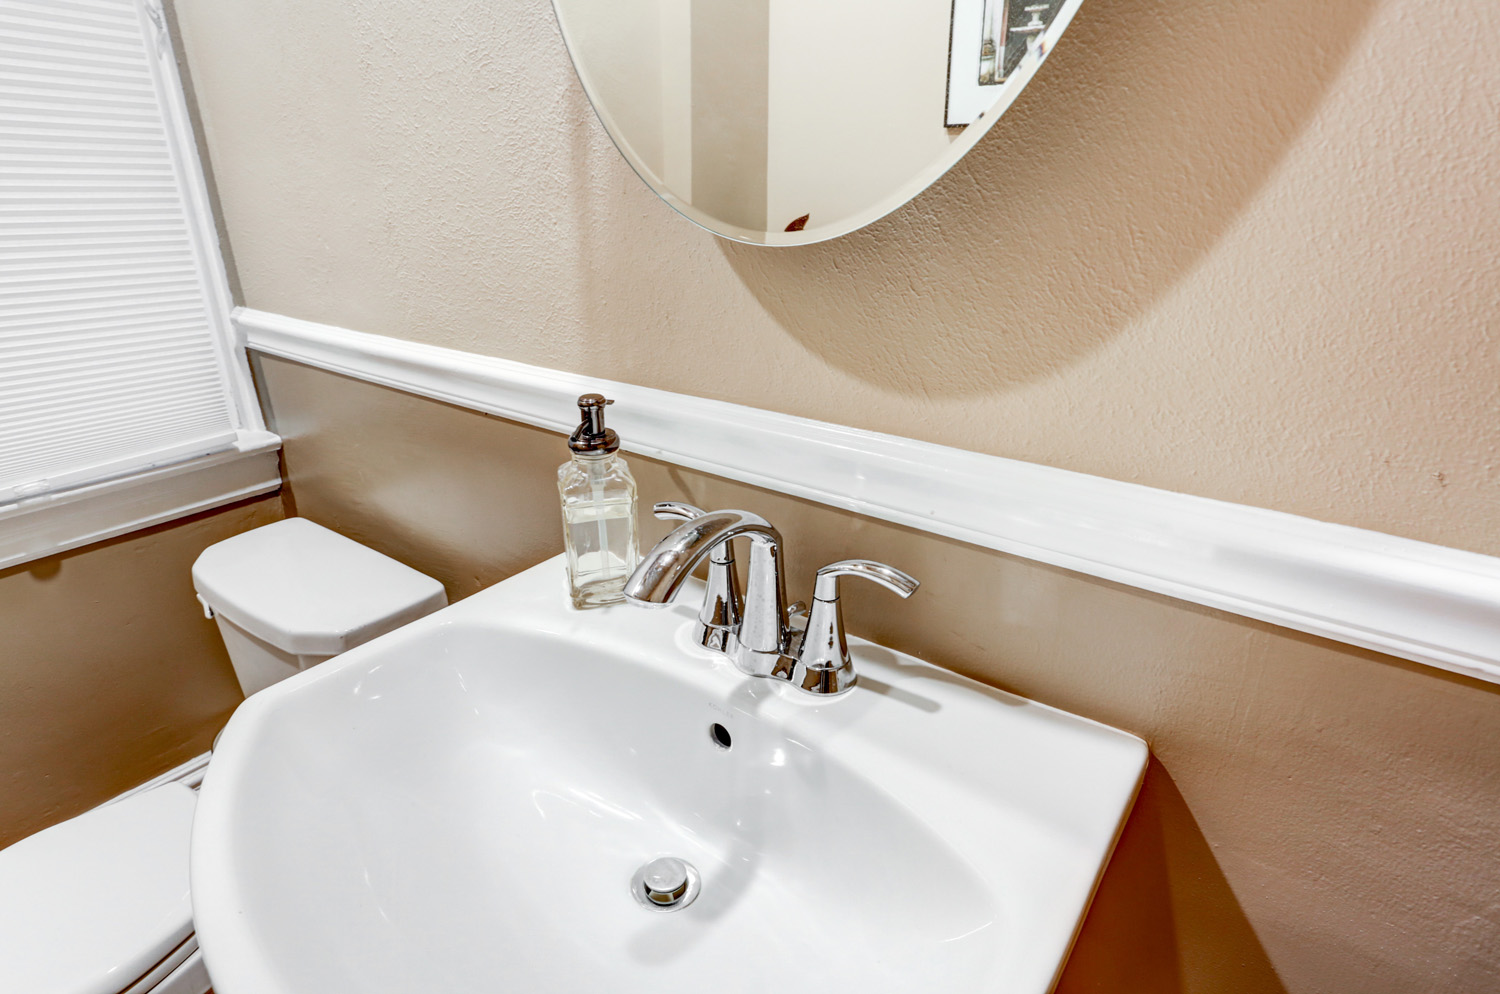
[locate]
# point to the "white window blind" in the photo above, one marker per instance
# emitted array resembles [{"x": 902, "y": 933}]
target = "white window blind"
[{"x": 114, "y": 350}]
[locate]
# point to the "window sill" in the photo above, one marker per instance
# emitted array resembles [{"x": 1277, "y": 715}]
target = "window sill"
[{"x": 52, "y": 523}]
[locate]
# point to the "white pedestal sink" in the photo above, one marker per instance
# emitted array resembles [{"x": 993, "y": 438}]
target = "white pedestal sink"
[{"x": 460, "y": 806}]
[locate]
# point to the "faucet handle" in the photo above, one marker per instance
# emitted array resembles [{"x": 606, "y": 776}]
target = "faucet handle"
[
  {"x": 823, "y": 664},
  {"x": 667, "y": 509},
  {"x": 719, "y": 617},
  {"x": 827, "y": 586}
]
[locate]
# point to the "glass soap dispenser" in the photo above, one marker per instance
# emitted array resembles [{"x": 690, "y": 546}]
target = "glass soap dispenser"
[{"x": 598, "y": 507}]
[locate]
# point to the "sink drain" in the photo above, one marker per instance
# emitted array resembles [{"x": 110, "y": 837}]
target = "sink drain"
[{"x": 665, "y": 884}]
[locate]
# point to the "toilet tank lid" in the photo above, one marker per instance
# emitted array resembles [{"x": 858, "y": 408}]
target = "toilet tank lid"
[
  {"x": 89, "y": 905},
  {"x": 309, "y": 590}
]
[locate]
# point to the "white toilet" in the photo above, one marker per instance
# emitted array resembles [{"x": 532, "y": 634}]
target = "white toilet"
[
  {"x": 292, "y": 594},
  {"x": 99, "y": 904}
]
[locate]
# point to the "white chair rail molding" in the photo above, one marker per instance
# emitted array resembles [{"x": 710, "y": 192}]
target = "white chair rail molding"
[{"x": 1426, "y": 603}]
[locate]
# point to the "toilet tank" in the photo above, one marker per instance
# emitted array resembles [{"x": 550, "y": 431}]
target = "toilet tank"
[{"x": 291, "y": 594}]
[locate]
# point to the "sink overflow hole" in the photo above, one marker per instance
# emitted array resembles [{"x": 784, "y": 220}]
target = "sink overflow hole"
[{"x": 720, "y": 735}]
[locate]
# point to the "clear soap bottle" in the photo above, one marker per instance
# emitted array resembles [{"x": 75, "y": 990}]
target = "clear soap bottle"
[{"x": 598, "y": 507}]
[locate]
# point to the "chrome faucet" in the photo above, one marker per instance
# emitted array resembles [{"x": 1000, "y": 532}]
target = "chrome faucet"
[
  {"x": 766, "y": 642},
  {"x": 719, "y": 617},
  {"x": 759, "y": 646}
]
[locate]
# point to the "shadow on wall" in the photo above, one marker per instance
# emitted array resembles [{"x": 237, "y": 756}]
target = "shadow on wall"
[
  {"x": 1164, "y": 872},
  {"x": 1111, "y": 176}
]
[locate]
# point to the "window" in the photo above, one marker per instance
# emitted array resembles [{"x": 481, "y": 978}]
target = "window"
[{"x": 118, "y": 368}]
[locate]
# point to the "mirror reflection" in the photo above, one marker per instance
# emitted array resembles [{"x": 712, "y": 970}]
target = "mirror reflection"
[{"x": 785, "y": 122}]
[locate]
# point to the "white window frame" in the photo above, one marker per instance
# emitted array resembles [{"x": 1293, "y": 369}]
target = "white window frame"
[{"x": 36, "y": 527}]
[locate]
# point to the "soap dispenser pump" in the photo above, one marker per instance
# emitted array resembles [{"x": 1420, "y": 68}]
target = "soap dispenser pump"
[{"x": 598, "y": 506}]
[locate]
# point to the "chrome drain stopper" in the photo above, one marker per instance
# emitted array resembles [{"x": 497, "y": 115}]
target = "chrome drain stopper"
[{"x": 665, "y": 884}]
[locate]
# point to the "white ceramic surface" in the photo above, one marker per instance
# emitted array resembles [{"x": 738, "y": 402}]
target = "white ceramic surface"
[
  {"x": 308, "y": 590},
  {"x": 89, "y": 905},
  {"x": 460, "y": 806}
]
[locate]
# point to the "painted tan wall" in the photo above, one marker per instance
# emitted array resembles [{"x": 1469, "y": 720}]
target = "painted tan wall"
[
  {"x": 109, "y": 673},
  {"x": 1316, "y": 818},
  {"x": 1243, "y": 250}
]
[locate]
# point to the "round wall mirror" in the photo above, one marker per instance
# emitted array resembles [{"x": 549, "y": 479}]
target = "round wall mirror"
[{"x": 785, "y": 122}]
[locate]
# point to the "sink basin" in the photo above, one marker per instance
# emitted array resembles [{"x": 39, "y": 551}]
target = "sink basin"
[{"x": 461, "y": 806}]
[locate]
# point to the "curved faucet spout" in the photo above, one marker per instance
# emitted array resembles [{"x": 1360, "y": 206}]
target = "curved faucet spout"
[
  {"x": 758, "y": 647},
  {"x": 666, "y": 567}
]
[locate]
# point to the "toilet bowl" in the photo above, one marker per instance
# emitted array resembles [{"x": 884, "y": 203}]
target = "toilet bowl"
[{"x": 99, "y": 904}]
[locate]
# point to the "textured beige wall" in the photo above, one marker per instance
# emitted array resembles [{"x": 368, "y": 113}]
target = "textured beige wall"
[
  {"x": 1245, "y": 251},
  {"x": 109, "y": 673},
  {"x": 1317, "y": 818},
  {"x": 1240, "y": 250}
]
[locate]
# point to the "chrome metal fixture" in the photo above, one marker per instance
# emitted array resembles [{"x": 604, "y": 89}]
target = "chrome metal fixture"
[
  {"x": 759, "y": 647},
  {"x": 666, "y": 884},
  {"x": 769, "y": 640},
  {"x": 823, "y": 665},
  {"x": 719, "y": 617}
]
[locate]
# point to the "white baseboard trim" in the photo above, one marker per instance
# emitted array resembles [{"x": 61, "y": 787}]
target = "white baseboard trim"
[
  {"x": 1422, "y": 602},
  {"x": 67, "y": 519},
  {"x": 189, "y": 773}
]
